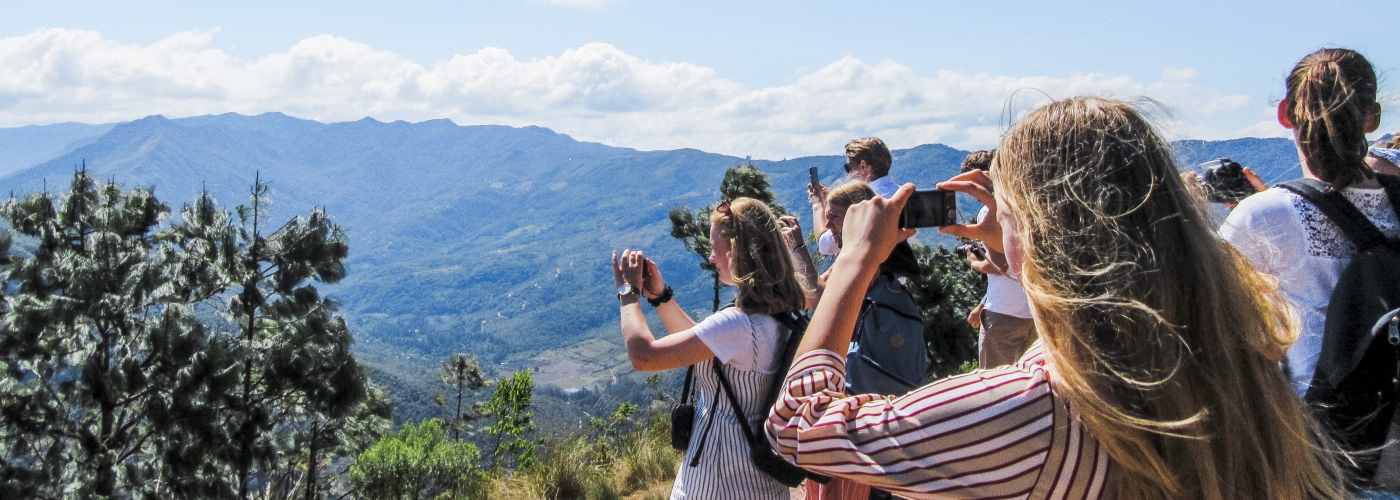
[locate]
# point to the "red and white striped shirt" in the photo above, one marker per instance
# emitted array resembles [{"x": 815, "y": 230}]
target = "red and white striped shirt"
[{"x": 998, "y": 433}]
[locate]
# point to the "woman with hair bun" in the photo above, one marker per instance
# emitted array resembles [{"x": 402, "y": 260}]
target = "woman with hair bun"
[
  {"x": 748, "y": 252},
  {"x": 1156, "y": 371},
  {"x": 1330, "y": 105}
]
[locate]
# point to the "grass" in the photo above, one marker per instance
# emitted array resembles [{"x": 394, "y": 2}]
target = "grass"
[{"x": 640, "y": 466}]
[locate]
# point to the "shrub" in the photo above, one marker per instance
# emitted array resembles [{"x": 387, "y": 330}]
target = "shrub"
[{"x": 419, "y": 462}]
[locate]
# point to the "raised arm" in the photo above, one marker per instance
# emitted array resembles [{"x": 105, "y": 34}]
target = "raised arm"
[
  {"x": 655, "y": 289},
  {"x": 802, "y": 260},
  {"x": 646, "y": 352},
  {"x": 978, "y": 435}
]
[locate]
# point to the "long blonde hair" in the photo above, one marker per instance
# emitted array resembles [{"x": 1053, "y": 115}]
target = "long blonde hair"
[
  {"x": 760, "y": 263},
  {"x": 1159, "y": 334}
]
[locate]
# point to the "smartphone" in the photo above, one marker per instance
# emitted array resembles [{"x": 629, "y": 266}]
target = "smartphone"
[
  {"x": 930, "y": 208},
  {"x": 812, "y": 172}
]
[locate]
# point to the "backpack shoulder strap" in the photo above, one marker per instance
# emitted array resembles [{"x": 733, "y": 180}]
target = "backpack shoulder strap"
[
  {"x": 1341, "y": 212},
  {"x": 734, "y": 402}
]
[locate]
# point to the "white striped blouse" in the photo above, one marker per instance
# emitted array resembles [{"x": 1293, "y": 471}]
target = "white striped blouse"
[{"x": 998, "y": 433}]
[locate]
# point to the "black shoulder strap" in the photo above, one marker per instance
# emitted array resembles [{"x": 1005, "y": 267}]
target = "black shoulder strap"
[
  {"x": 685, "y": 386},
  {"x": 1341, "y": 212},
  {"x": 734, "y": 402},
  {"x": 705, "y": 434}
]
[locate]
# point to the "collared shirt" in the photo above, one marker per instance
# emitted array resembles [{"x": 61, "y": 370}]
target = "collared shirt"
[
  {"x": 998, "y": 433},
  {"x": 883, "y": 187}
]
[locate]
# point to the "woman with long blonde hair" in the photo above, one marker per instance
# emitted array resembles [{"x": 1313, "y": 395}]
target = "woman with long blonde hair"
[
  {"x": 1156, "y": 374},
  {"x": 745, "y": 341}
]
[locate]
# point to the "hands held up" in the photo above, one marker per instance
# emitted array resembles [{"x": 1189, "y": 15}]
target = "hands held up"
[
  {"x": 634, "y": 268},
  {"x": 979, "y": 185}
]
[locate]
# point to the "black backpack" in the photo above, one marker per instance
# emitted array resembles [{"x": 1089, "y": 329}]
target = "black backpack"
[
  {"x": 887, "y": 354},
  {"x": 1356, "y": 385}
]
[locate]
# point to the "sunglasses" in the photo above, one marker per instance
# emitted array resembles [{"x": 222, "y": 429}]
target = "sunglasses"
[{"x": 723, "y": 207}]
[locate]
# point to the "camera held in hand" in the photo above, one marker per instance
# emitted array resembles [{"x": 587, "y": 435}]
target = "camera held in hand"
[
  {"x": 1224, "y": 181},
  {"x": 974, "y": 249}
]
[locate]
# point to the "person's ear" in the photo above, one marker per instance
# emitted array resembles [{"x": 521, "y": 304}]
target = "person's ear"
[
  {"x": 1283, "y": 114},
  {"x": 1373, "y": 118}
]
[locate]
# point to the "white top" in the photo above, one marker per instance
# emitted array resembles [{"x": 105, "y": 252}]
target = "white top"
[
  {"x": 1284, "y": 235},
  {"x": 743, "y": 341},
  {"x": 883, "y": 187},
  {"x": 747, "y": 345},
  {"x": 1004, "y": 293}
]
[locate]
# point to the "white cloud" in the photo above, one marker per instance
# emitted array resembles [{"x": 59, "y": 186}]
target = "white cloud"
[{"x": 595, "y": 92}]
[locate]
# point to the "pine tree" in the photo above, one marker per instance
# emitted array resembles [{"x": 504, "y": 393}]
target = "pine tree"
[
  {"x": 92, "y": 342},
  {"x": 460, "y": 373},
  {"x": 293, "y": 356},
  {"x": 693, "y": 228},
  {"x": 176, "y": 363}
]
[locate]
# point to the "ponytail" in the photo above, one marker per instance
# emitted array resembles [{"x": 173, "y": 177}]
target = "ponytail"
[{"x": 1330, "y": 94}]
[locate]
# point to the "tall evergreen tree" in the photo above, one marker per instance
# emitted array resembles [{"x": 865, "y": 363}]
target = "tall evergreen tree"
[
  {"x": 91, "y": 342},
  {"x": 460, "y": 373},
  {"x": 293, "y": 349},
  {"x": 125, "y": 375}
]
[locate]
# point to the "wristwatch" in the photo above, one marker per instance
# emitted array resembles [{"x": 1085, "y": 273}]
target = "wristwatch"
[
  {"x": 661, "y": 299},
  {"x": 625, "y": 289}
]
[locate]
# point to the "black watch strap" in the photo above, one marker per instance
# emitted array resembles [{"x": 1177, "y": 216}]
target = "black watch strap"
[{"x": 661, "y": 299}]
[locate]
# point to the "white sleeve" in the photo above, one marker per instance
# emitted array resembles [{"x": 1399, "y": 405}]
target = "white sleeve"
[
  {"x": 730, "y": 335},
  {"x": 826, "y": 244},
  {"x": 727, "y": 334},
  {"x": 1265, "y": 228}
]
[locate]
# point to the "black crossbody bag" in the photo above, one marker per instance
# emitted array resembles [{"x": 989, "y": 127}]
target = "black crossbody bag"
[{"x": 683, "y": 415}]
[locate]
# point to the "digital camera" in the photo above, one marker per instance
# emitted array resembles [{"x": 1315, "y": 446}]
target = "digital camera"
[{"x": 1224, "y": 181}]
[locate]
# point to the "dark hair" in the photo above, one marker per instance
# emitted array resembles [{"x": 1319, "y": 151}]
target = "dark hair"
[
  {"x": 1330, "y": 94},
  {"x": 873, "y": 151},
  {"x": 979, "y": 160}
]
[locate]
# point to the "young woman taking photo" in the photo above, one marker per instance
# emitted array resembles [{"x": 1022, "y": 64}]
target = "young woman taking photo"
[
  {"x": 748, "y": 252},
  {"x": 1156, "y": 373}
]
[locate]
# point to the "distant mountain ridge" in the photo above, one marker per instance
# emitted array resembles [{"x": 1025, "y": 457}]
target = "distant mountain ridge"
[{"x": 488, "y": 239}]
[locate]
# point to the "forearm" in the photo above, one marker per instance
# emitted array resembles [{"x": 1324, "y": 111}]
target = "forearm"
[
  {"x": 636, "y": 335},
  {"x": 807, "y": 275},
  {"x": 836, "y": 314},
  {"x": 675, "y": 318},
  {"x": 819, "y": 218}
]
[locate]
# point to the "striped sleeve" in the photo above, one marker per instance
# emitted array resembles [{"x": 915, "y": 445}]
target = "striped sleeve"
[{"x": 986, "y": 434}]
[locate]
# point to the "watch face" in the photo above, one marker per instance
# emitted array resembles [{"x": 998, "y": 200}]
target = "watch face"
[{"x": 625, "y": 289}]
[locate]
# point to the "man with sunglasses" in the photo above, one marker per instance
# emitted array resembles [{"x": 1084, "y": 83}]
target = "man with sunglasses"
[{"x": 867, "y": 160}]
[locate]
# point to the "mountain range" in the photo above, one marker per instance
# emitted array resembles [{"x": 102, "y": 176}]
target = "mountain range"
[{"x": 488, "y": 239}]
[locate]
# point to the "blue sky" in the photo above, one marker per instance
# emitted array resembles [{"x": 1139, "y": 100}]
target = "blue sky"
[{"x": 772, "y": 79}]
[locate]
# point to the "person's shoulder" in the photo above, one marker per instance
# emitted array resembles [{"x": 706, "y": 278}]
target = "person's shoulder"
[
  {"x": 1269, "y": 204},
  {"x": 728, "y": 315}
]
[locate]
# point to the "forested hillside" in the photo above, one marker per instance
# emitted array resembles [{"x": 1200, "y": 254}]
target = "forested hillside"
[{"x": 484, "y": 239}]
